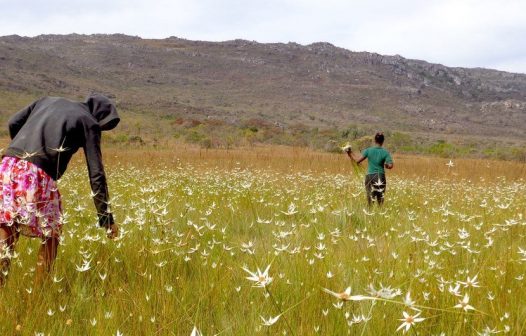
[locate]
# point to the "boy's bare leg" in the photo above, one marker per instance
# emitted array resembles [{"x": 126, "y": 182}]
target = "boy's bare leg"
[
  {"x": 7, "y": 245},
  {"x": 46, "y": 256}
]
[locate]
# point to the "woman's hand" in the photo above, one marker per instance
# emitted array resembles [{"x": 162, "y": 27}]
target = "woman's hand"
[{"x": 113, "y": 232}]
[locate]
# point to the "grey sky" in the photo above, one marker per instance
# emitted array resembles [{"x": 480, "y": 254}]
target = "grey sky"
[{"x": 468, "y": 33}]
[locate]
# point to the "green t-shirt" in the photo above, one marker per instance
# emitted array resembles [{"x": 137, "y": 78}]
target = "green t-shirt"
[{"x": 376, "y": 157}]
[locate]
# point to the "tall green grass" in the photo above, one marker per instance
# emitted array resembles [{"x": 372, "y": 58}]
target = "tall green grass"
[{"x": 189, "y": 228}]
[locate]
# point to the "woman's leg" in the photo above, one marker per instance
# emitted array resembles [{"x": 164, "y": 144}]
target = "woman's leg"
[
  {"x": 7, "y": 244},
  {"x": 46, "y": 256}
]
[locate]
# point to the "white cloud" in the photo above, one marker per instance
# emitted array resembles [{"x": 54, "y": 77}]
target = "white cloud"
[{"x": 483, "y": 33}]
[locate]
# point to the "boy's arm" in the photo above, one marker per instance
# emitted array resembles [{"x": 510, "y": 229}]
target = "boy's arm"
[
  {"x": 354, "y": 157},
  {"x": 389, "y": 164}
]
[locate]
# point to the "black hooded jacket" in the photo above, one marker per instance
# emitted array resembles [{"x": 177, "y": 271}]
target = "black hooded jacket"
[{"x": 49, "y": 131}]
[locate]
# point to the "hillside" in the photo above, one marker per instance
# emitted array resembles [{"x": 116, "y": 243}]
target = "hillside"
[{"x": 317, "y": 86}]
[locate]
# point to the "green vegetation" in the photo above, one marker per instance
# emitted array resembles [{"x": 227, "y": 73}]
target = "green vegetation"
[
  {"x": 219, "y": 134},
  {"x": 194, "y": 235}
]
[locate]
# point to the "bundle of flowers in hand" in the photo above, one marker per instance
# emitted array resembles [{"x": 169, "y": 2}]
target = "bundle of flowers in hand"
[
  {"x": 356, "y": 169},
  {"x": 347, "y": 148}
]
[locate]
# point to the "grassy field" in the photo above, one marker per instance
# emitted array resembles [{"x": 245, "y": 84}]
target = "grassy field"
[{"x": 448, "y": 246}]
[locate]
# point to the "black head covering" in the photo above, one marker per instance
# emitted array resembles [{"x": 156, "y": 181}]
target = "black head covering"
[{"x": 104, "y": 111}]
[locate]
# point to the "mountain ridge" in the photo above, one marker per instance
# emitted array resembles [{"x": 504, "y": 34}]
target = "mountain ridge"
[{"x": 318, "y": 85}]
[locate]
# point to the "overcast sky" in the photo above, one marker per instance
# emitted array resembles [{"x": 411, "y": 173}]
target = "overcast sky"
[{"x": 478, "y": 33}]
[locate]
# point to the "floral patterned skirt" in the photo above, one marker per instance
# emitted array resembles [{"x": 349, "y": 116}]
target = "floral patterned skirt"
[{"x": 29, "y": 199}]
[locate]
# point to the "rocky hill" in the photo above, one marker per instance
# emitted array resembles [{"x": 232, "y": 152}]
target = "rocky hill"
[{"x": 317, "y": 85}]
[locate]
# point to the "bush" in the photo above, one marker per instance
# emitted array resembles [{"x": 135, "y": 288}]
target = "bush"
[
  {"x": 206, "y": 143},
  {"x": 399, "y": 140},
  {"x": 332, "y": 147},
  {"x": 194, "y": 136},
  {"x": 353, "y": 132},
  {"x": 135, "y": 139},
  {"x": 519, "y": 154},
  {"x": 442, "y": 149},
  {"x": 362, "y": 143}
]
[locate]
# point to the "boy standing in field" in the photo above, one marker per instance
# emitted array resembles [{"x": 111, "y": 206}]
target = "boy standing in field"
[
  {"x": 378, "y": 159},
  {"x": 44, "y": 137}
]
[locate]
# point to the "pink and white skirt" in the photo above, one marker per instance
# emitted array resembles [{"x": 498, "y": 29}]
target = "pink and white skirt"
[{"x": 29, "y": 199}]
